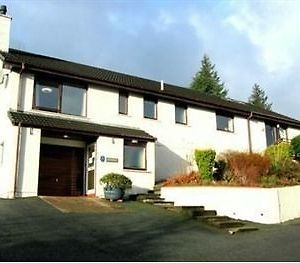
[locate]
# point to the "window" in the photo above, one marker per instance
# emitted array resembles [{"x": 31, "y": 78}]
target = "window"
[
  {"x": 224, "y": 122},
  {"x": 73, "y": 100},
  {"x": 134, "y": 155},
  {"x": 123, "y": 102},
  {"x": 47, "y": 95},
  {"x": 275, "y": 133},
  {"x": 150, "y": 110},
  {"x": 60, "y": 97},
  {"x": 180, "y": 114}
]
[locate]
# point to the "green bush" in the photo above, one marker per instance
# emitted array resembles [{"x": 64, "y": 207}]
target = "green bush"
[
  {"x": 280, "y": 155},
  {"x": 115, "y": 180},
  {"x": 296, "y": 146},
  {"x": 205, "y": 160}
]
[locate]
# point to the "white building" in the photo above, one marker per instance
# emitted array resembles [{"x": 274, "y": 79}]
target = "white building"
[{"x": 64, "y": 125}]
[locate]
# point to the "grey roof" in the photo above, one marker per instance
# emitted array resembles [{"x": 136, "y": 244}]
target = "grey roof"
[
  {"x": 36, "y": 120},
  {"x": 39, "y": 63}
]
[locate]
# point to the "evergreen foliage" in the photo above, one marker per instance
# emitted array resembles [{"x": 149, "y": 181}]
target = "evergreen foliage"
[
  {"x": 258, "y": 98},
  {"x": 207, "y": 80}
]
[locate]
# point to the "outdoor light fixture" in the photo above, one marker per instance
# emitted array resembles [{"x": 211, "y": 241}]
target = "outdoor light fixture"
[
  {"x": 134, "y": 141},
  {"x": 66, "y": 136},
  {"x": 46, "y": 90}
]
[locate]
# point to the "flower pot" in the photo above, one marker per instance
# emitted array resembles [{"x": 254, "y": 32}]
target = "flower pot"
[{"x": 113, "y": 194}]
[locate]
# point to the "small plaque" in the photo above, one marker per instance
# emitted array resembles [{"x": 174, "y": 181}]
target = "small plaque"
[
  {"x": 102, "y": 158},
  {"x": 112, "y": 160}
]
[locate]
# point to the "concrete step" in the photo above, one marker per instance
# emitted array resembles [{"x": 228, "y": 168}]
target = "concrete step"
[
  {"x": 226, "y": 223},
  {"x": 235, "y": 230}
]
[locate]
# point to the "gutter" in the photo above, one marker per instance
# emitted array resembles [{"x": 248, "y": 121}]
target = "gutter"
[{"x": 249, "y": 131}]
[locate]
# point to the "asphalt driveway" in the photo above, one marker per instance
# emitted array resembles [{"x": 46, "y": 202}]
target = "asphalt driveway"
[{"x": 33, "y": 230}]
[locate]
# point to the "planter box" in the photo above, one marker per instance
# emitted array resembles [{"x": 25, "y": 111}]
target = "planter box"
[{"x": 262, "y": 205}]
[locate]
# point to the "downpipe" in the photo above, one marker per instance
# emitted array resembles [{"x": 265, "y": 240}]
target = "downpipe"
[
  {"x": 17, "y": 166},
  {"x": 249, "y": 131}
]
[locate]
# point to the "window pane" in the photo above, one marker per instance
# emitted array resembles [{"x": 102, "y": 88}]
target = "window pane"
[
  {"x": 135, "y": 156},
  {"x": 73, "y": 99},
  {"x": 180, "y": 114},
  {"x": 46, "y": 96},
  {"x": 123, "y": 103},
  {"x": 149, "y": 109},
  {"x": 224, "y": 123},
  {"x": 270, "y": 134}
]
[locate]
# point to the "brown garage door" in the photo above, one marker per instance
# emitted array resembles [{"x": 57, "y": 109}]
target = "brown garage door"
[{"x": 61, "y": 170}]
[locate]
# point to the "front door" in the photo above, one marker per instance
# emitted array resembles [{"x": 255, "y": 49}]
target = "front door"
[
  {"x": 61, "y": 170},
  {"x": 90, "y": 169}
]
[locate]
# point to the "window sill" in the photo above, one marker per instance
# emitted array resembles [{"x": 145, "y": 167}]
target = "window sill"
[
  {"x": 58, "y": 114},
  {"x": 225, "y": 131},
  {"x": 182, "y": 124},
  {"x": 136, "y": 171}
]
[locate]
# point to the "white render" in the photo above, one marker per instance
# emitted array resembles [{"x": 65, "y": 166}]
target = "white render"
[
  {"x": 5, "y": 22},
  {"x": 261, "y": 205}
]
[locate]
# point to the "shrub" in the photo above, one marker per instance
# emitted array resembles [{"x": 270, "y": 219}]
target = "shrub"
[
  {"x": 269, "y": 181},
  {"x": 220, "y": 167},
  {"x": 245, "y": 168},
  {"x": 205, "y": 160},
  {"x": 280, "y": 156},
  {"x": 296, "y": 146},
  {"x": 115, "y": 180},
  {"x": 191, "y": 178}
]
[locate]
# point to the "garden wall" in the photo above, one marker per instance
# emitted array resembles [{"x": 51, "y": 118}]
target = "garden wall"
[{"x": 262, "y": 205}]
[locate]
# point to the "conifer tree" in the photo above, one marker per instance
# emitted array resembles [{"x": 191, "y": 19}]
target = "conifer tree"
[
  {"x": 259, "y": 98},
  {"x": 207, "y": 80}
]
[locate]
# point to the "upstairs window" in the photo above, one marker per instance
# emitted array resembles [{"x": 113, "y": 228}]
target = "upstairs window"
[
  {"x": 60, "y": 97},
  {"x": 47, "y": 95},
  {"x": 134, "y": 155},
  {"x": 150, "y": 108},
  {"x": 180, "y": 114},
  {"x": 224, "y": 122},
  {"x": 123, "y": 102}
]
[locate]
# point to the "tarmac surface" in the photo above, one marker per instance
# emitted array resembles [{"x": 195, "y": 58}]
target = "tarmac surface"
[{"x": 34, "y": 230}]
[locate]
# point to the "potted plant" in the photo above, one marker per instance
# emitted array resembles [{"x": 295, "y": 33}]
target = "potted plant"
[{"x": 115, "y": 185}]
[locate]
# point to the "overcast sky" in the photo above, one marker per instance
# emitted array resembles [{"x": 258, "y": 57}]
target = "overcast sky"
[{"x": 248, "y": 41}]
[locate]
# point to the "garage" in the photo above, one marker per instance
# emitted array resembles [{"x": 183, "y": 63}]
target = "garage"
[{"x": 61, "y": 170}]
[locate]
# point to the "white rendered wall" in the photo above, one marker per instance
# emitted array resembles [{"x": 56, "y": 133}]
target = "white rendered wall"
[
  {"x": 5, "y": 22},
  {"x": 108, "y": 147},
  {"x": 292, "y": 132},
  {"x": 8, "y": 133},
  {"x": 27, "y": 180},
  {"x": 175, "y": 142},
  {"x": 262, "y": 205}
]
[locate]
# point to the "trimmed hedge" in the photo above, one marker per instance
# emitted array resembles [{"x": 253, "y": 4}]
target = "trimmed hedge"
[{"x": 205, "y": 160}]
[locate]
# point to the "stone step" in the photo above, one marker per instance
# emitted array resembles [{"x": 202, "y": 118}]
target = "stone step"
[
  {"x": 176, "y": 209},
  {"x": 164, "y": 204},
  {"x": 193, "y": 211},
  {"x": 208, "y": 213},
  {"x": 153, "y": 201},
  {"x": 212, "y": 218},
  {"x": 233, "y": 231},
  {"x": 226, "y": 223},
  {"x": 147, "y": 196}
]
